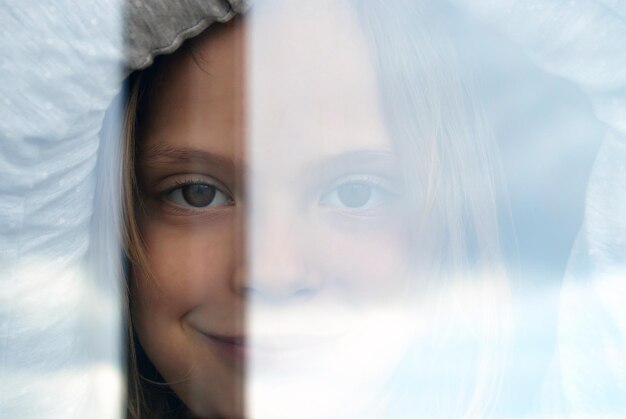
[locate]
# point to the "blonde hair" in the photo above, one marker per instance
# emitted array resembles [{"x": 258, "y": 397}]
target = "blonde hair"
[
  {"x": 436, "y": 120},
  {"x": 148, "y": 394}
]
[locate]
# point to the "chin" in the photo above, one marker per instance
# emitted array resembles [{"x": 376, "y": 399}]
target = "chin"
[{"x": 227, "y": 408}]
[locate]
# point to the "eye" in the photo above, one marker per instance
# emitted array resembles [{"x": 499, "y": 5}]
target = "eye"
[
  {"x": 354, "y": 195},
  {"x": 198, "y": 195},
  {"x": 358, "y": 194}
]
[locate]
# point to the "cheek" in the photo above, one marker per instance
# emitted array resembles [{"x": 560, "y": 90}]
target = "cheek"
[
  {"x": 366, "y": 262},
  {"x": 190, "y": 288},
  {"x": 189, "y": 268},
  {"x": 189, "y": 264}
]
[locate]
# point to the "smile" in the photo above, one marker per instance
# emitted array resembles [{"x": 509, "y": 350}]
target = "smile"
[{"x": 232, "y": 347}]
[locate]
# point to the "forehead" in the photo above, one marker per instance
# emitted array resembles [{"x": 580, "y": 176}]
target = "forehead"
[
  {"x": 293, "y": 82},
  {"x": 312, "y": 84}
]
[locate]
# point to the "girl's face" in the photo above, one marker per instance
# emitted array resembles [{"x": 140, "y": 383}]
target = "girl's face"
[{"x": 272, "y": 212}]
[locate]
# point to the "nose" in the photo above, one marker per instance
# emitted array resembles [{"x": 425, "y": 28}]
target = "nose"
[{"x": 279, "y": 269}]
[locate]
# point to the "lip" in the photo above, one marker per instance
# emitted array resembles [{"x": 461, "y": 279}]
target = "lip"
[
  {"x": 294, "y": 342},
  {"x": 233, "y": 347},
  {"x": 269, "y": 348}
]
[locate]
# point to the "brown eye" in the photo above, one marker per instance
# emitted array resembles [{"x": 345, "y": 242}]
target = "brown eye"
[
  {"x": 198, "y": 195},
  {"x": 354, "y": 195}
]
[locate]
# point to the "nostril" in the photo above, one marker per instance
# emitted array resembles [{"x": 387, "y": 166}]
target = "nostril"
[
  {"x": 304, "y": 294},
  {"x": 278, "y": 295}
]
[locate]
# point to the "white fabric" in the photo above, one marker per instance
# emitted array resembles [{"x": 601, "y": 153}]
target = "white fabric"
[
  {"x": 585, "y": 42},
  {"x": 61, "y": 65}
]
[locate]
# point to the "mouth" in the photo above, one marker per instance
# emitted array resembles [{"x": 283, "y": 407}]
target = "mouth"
[
  {"x": 233, "y": 347},
  {"x": 238, "y": 348}
]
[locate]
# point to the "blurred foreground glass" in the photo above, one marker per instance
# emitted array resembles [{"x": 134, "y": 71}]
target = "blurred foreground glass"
[
  {"x": 345, "y": 209},
  {"x": 376, "y": 287}
]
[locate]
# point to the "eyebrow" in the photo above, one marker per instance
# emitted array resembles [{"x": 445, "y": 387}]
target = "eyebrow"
[
  {"x": 158, "y": 155},
  {"x": 359, "y": 159}
]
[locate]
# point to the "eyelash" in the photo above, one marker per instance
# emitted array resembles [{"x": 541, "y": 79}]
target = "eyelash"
[
  {"x": 180, "y": 184},
  {"x": 378, "y": 189},
  {"x": 377, "y": 185}
]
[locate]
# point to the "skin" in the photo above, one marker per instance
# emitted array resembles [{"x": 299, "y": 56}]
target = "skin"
[
  {"x": 303, "y": 247},
  {"x": 195, "y": 254}
]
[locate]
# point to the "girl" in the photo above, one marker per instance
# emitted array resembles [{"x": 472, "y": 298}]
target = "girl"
[{"x": 309, "y": 195}]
